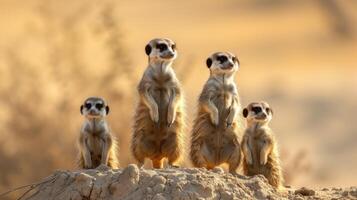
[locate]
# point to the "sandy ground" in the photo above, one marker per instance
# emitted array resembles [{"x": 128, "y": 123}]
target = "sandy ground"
[{"x": 180, "y": 183}]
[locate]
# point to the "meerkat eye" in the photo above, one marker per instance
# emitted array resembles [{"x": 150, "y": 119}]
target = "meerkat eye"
[
  {"x": 99, "y": 106},
  {"x": 88, "y": 105},
  {"x": 161, "y": 47},
  {"x": 257, "y": 109}
]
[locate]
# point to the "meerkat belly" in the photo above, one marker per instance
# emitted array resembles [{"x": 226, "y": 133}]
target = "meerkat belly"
[
  {"x": 153, "y": 144},
  {"x": 215, "y": 146},
  {"x": 256, "y": 146},
  {"x": 223, "y": 102},
  {"x": 95, "y": 144},
  {"x": 210, "y": 150},
  {"x": 162, "y": 97}
]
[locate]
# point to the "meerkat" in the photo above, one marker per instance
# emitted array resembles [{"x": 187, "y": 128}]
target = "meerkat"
[
  {"x": 259, "y": 145},
  {"x": 214, "y": 137},
  {"x": 159, "y": 120},
  {"x": 96, "y": 143}
]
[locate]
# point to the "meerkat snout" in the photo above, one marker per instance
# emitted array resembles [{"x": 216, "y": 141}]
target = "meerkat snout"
[
  {"x": 222, "y": 63},
  {"x": 161, "y": 50},
  {"x": 94, "y": 107}
]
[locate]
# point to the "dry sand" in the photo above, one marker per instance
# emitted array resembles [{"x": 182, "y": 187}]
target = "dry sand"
[{"x": 176, "y": 183}]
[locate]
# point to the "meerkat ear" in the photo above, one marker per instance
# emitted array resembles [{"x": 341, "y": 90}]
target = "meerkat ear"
[
  {"x": 209, "y": 62},
  {"x": 148, "y": 49},
  {"x": 237, "y": 60},
  {"x": 82, "y": 109},
  {"x": 245, "y": 113},
  {"x": 107, "y": 109}
]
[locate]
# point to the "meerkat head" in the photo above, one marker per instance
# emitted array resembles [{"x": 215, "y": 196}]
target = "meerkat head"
[
  {"x": 94, "y": 107},
  {"x": 222, "y": 63},
  {"x": 161, "y": 49},
  {"x": 258, "y": 112}
]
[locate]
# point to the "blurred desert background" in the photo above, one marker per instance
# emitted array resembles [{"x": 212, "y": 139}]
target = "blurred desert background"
[{"x": 300, "y": 56}]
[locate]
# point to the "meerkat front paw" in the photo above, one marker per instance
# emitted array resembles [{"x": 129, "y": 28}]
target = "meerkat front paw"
[
  {"x": 229, "y": 123},
  {"x": 215, "y": 120},
  {"x": 154, "y": 114},
  {"x": 263, "y": 160},
  {"x": 249, "y": 160},
  {"x": 171, "y": 116}
]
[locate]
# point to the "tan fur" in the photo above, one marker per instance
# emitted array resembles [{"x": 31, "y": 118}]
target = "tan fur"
[
  {"x": 96, "y": 144},
  {"x": 159, "y": 120},
  {"x": 214, "y": 138},
  {"x": 113, "y": 161},
  {"x": 260, "y": 149}
]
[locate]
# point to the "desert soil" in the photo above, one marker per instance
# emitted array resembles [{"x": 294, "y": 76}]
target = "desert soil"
[{"x": 175, "y": 183}]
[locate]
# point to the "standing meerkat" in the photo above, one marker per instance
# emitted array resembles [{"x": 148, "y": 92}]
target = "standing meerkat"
[
  {"x": 96, "y": 144},
  {"x": 159, "y": 122},
  {"x": 214, "y": 138},
  {"x": 259, "y": 145}
]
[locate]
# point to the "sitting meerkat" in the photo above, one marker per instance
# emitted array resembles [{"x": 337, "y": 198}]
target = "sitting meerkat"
[
  {"x": 96, "y": 144},
  {"x": 214, "y": 138},
  {"x": 259, "y": 145},
  {"x": 159, "y": 121}
]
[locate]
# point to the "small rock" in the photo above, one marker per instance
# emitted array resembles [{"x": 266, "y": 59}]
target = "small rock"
[
  {"x": 353, "y": 192},
  {"x": 103, "y": 167},
  {"x": 159, "y": 179},
  {"x": 298, "y": 198},
  {"x": 305, "y": 191},
  {"x": 82, "y": 177},
  {"x": 132, "y": 170},
  {"x": 148, "y": 190},
  {"x": 159, "y": 188},
  {"x": 345, "y": 193},
  {"x": 192, "y": 170},
  {"x": 159, "y": 197}
]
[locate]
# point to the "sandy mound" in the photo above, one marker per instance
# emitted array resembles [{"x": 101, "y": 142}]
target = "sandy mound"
[{"x": 182, "y": 183}]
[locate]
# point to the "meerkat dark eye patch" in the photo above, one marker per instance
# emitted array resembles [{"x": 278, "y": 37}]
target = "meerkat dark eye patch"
[
  {"x": 235, "y": 59},
  {"x": 99, "y": 106},
  {"x": 209, "y": 62},
  {"x": 88, "y": 105},
  {"x": 222, "y": 59},
  {"x": 148, "y": 49},
  {"x": 268, "y": 110},
  {"x": 161, "y": 47},
  {"x": 256, "y": 109},
  {"x": 107, "y": 109},
  {"x": 245, "y": 113}
]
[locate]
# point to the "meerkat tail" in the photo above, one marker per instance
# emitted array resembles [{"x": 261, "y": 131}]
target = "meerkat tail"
[
  {"x": 196, "y": 157},
  {"x": 275, "y": 178},
  {"x": 113, "y": 161}
]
